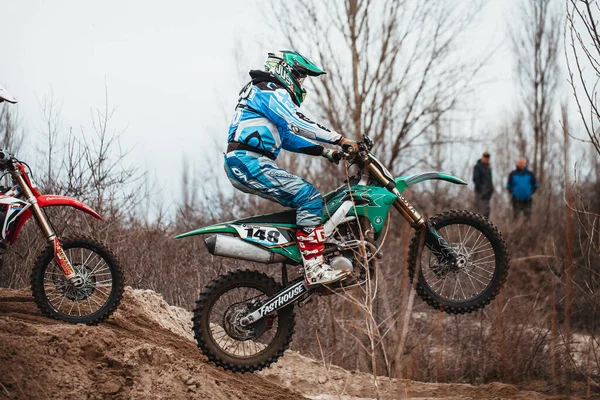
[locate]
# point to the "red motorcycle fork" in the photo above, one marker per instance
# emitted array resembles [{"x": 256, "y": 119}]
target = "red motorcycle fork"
[
  {"x": 33, "y": 195},
  {"x": 62, "y": 260}
]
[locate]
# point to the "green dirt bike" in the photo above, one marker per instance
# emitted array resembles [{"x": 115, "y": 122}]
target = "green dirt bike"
[{"x": 244, "y": 320}]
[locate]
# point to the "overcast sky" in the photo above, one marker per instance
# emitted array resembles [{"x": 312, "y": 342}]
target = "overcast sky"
[{"x": 173, "y": 69}]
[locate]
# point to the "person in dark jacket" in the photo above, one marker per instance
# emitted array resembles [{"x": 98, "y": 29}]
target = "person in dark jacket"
[
  {"x": 484, "y": 188},
  {"x": 522, "y": 185}
]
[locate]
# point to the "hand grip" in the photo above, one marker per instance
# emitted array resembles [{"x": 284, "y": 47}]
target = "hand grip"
[{"x": 338, "y": 156}]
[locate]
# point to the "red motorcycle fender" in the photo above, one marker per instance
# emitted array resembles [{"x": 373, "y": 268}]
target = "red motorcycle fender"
[{"x": 50, "y": 201}]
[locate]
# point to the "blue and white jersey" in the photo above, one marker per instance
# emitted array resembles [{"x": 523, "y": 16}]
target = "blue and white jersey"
[{"x": 267, "y": 119}]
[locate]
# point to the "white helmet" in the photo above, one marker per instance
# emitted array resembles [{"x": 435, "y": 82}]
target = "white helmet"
[{"x": 5, "y": 96}]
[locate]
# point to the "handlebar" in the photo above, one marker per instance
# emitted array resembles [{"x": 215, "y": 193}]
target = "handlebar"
[{"x": 364, "y": 147}]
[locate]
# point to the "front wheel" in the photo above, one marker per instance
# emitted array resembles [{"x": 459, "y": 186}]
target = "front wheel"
[
  {"x": 95, "y": 299},
  {"x": 221, "y": 337},
  {"x": 479, "y": 274}
]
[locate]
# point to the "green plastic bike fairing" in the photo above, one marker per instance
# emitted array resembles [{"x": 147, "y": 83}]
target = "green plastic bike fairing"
[
  {"x": 403, "y": 182},
  {"x": 222, "y": 227},
  {"x": 372, "y": 202}
]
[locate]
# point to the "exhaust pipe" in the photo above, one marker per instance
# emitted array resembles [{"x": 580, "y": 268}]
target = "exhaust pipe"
[{"x": 234, "y": 247}]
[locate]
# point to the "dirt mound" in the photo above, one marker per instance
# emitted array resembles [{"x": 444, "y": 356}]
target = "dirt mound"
[{"x": 146, "y": 351}]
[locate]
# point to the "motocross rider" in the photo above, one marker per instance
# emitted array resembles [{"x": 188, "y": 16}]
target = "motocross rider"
[{"x": 267, "y": 119}]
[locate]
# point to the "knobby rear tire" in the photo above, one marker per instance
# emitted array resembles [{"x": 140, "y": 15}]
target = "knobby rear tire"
[
  {"x": 202, "y": 325},
  {"x": 483, "y": 225}
]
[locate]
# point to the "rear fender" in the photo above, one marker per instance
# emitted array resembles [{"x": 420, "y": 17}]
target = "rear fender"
[
  {"x": 404, "y": 182},
  {"x": 224, "y": 227},
  {"x": 282, "y": 237},
  {"x": 50, "y": 201}
]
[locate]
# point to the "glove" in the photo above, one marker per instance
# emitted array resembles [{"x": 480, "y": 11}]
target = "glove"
[
  {"x": 333, "y": 156},
  {"x": 348, "y": 145}
]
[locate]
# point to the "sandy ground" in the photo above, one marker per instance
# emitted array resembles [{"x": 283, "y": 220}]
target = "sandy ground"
[
  {"x": 332, "y": 382},
  {"x": 146, "y": 351}
]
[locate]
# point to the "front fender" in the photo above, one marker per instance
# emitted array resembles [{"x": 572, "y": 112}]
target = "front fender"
[
  {"x": 53, "y": 201},
  {"x": 403, "y": 182},
  {"x": 50, "y": 201}
]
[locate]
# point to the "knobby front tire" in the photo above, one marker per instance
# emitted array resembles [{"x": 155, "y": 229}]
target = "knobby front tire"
[
  {"x": 91, "y": 303},
  {"x": 473, "y": 286}
]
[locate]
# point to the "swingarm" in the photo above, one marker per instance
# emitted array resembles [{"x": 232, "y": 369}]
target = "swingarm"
[{"x": 281, "y": 299}]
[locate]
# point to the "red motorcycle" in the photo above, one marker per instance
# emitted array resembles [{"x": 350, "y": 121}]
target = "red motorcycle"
[{"x": 77, "y": 280}]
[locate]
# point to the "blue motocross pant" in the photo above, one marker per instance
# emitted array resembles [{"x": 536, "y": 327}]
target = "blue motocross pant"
[{"x": 256, "y": 174}]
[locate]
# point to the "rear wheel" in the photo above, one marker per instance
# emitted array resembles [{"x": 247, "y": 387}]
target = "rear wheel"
[
  {"x": 480, "y": 272},
  {"x": 228, "y": 344},
  {"x": 95, "y": 299}
]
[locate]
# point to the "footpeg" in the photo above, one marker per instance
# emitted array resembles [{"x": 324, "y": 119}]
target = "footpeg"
[{"x": 308, "y": 299}]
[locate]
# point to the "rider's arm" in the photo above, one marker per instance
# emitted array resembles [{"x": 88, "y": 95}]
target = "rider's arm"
[
  {"x": 282, "y": 111},
  {"x": 298, "y": 144}
]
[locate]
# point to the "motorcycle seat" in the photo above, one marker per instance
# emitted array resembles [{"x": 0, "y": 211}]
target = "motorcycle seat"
[{"x": 282, "y": 217}]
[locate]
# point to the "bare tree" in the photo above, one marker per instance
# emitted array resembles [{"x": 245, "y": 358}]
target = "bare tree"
[
  {"x": 393, "y": 66},
  {"x": 11, "y": 134},
  {"x": 51, "y": 111},
  {"x": 536, "y": 43},
  {"x": 583, "y": 57},
  {"x": 189, "y": 191},
  {"x": 568, "y": 262}
]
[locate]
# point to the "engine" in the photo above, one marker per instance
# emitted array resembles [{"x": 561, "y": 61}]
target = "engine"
[
  {"x": 347, "y": 251},
  {"x": 341, "y": 262}
]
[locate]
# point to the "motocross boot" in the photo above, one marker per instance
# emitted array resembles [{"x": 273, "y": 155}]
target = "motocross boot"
[{"x": 311, "y": 242}]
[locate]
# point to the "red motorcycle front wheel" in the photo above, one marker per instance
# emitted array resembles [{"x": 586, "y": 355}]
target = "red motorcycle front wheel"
[{"x": 94, "y": 300}]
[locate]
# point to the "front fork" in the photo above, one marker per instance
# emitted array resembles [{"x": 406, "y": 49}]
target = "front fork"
[
  {"x": 59, "y": 254},
  {"x": 433, "y": 240}
]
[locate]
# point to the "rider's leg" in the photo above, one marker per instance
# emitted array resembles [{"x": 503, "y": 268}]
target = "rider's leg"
[
  {"x": 261, "y": 176},
  {"x": 311, "y": 242},
  {"x": 310, "y": 237}
]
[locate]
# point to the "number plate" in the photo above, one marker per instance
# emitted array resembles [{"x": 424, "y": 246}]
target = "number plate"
[{"x": 265, "y": 235}]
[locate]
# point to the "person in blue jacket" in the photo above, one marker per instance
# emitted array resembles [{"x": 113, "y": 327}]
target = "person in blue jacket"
[
  {"x": 268, "y": 119},
  {"x": 522, "y": 185}
]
